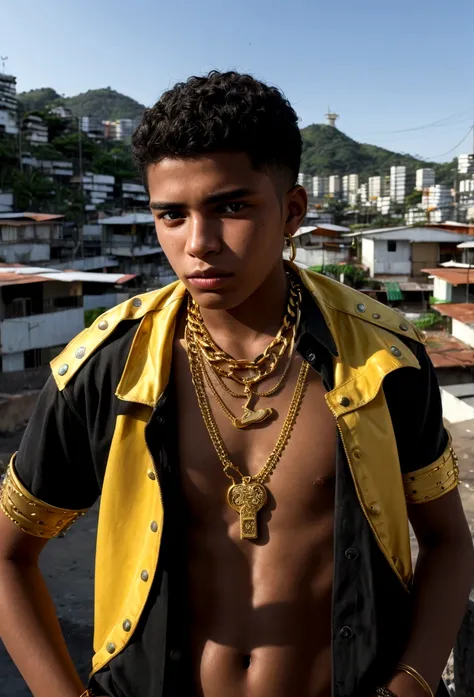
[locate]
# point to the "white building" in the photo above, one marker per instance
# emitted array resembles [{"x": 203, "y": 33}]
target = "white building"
[
  {"x": 321, "y": 245},
  {"x": 424, "y": 178},
  {"x": 42, "y": 309},
  {"x": 416, "y": 215},
  {"x": 125, "y": 128},
  {"x": 438, "y": 202},
  {"x": 350, "y": 185},
  {"x": 306, "y": 180},
  {"x": 404, "y": 251},
  {"x": 466, "y": 164},
  {"x": 134, "y": 195},
  {"x": 320, "y": 187},
  {"x": 334, "y": 185},
  {"x": 398, "y": 184},
  {"x": 363, "y": 193},
  {"x": 375, "y": 188},
  {"x": 52, "y": 168},
  {"x": 98, "y": 188},
  {"x": 6, "y": 202},
  {"x": 61, "y": 112},
  {"x": 28, "y": 237},
  {"x": 383, "y": 205},
  {"x": 34, "y": 129},
  {"x": 8, "y": 105},
  {"x": 92, "y": 126}
]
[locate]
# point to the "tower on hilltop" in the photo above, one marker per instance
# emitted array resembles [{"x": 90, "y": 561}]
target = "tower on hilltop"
[{"x": 331, "y": 117}]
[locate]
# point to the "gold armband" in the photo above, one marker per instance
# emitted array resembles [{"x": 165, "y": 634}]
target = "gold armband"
[
  {"x": 32, "y": 515},
  {"x": 434, "y": 481}
]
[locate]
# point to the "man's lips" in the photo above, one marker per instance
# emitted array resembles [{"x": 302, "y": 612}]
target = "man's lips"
[{"x": 210, "y": 279}]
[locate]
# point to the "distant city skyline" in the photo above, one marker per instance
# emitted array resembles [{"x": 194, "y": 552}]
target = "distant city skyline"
[{"x": 399, "y": 76}]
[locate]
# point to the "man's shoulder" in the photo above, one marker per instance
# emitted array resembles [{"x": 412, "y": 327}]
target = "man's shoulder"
[
  {"x": 111, "y": 333},
  {"x": 334, "y": 297}
]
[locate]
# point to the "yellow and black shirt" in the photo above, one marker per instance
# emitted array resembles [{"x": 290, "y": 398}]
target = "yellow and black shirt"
[{"x": 105, "y": 425}]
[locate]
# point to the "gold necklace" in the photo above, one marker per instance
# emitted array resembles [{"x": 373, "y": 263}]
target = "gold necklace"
[
  {"x": 223, "y": 364},
  {"x": 261, "y": 367},
  {"x": 250, "y": 417},
  {"x": 249, "y": 495}
]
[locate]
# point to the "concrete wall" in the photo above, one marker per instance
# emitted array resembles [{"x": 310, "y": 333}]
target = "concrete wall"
[
  {"x": 397, "y": 262},
  {"x": 367, "y": 254},
  {"x": 463, "y": 332},
  {"x": 455, "y": 409},
  {"x": 24, "y": 252},
  {"x": 12, "y": 362},
  {"x": 40, "y": 331},
  {"x": 320, "y": 257},
  {"x": 442, "y": 290}
]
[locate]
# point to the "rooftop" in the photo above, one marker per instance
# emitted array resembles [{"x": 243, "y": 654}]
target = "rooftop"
[
  {"x": 464, "y": 312},
  {"x": 129, "y": 219},
  {"x": 416, "y": 233},
  {"x": 447, "y": 352},
  {"x": 454, "y": 276},
  {"x": 18, "y": 274},
  {"x": 37, "y": 217}
]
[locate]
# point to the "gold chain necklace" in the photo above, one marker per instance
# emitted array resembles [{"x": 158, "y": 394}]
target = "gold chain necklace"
[
  {"x": 223, "y": 365},
  {"x": 264, "y": 365},
  {"x": 250, "y": 416},
  {"x": 250, "y": 495}
]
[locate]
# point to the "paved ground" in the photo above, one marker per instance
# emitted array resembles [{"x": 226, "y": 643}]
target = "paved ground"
[{"x": 68, "y": 567}]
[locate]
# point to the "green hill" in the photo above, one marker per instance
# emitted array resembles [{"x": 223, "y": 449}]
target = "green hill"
[
  {"x": 327, "y": 150},
  {"x": 105, "y": 104}
]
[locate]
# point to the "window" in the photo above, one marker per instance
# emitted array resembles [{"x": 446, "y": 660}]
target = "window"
[{"x": 391, "y": 246}]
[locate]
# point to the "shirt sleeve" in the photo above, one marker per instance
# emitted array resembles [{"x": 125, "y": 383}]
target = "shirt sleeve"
[
  {"x": 54, "y": 462},
  {"x": 427, "y": 461}
]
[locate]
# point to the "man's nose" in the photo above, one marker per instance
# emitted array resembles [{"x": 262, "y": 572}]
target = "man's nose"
[{"x": 203, "y": 237}]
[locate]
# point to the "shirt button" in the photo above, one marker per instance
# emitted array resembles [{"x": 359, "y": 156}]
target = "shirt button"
[
  {"x": 351, "y": 554},
  {"x": 396, "y": 351},
  {"x": 136, "y": 302},
  {"x": 103, "y": 324},
  {"x": 175, "y": 655},
  {"x": 310, "y": 357},
  {"x": 346, "y": 633},
  {"x": 110, "y": 648},
  {"x": 375, "y": 509},
  {"x": 151, "y": 475},
  {"x": 344, "y": 401},
  {"x": 127, "y": 625},
  {"x": 63, "y": 369},
  {"x": 144, "y": 575},
  {"x": 361, "y": 307},
  {"x": 154, "y": 526},
  {"x": 81, "y": 352}
]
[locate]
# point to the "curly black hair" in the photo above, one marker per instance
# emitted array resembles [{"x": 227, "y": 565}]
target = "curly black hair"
[{"x": 221, "y": 112}]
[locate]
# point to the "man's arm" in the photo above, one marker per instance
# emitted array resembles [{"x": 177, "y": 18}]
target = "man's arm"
[
  {"x": 49, "y": 483},
  {"x": 444, "y": 576},
  {"x": 28, "y": 626}
]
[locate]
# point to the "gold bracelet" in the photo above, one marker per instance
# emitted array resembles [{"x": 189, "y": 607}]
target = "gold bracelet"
[
  {"x": 87, "y": 693},
  {"x": 404, "y": 668}
]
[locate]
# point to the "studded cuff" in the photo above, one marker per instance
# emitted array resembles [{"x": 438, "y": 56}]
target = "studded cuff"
[
  {"x": 32, "y": 515},
  {"x": 434, "y": 481}
]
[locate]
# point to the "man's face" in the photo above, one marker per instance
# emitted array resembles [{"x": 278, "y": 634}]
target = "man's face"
[{"x": 221, "y": 224}]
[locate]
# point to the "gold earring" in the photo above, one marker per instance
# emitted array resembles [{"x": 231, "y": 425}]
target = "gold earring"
[{"x": 292, "y": 246}]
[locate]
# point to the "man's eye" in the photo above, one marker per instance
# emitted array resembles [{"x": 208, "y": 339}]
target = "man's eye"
[
  {"x": 171, "y": 215},
  {"x": 233, "y": 207}
]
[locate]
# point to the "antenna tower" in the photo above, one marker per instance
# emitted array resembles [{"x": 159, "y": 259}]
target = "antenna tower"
[{"x": 331, "y": 117}]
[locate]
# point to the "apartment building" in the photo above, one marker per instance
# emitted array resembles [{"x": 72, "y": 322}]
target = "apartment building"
[
  {"x": 398, "y": 184},
  {"x": 438, "y": 202},
  {"x": 424, "y": 178},
  {"x": 29, "y": 237},
  {"x": 98, "y": 188},
  {"x": 34, "y": 130},
  {"x": 334, "y": 188},
  {"x": 466, "y": 164},
  {"x": 320, "y": 187},
  {"x": 8, "y": 105},
  {"x": 350, "y": 186},
  {"x": 56, "y": 169}
]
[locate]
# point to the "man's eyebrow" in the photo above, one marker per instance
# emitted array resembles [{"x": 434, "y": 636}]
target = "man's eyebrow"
[{"x": 219, "y": 197}]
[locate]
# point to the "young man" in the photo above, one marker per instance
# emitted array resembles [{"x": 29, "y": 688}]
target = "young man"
[{"x": 259, "y": 436}]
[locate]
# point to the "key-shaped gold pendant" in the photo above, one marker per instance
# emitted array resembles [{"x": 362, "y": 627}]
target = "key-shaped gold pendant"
[{"x": 247, "y": 499}]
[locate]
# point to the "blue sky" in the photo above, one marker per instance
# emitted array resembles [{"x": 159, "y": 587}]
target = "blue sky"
[{"x": 384, "y": 67}]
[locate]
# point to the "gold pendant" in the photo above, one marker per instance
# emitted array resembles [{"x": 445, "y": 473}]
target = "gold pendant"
[
  {"x": 251, "y": 416},
  {"x": 247, "y": 499}
]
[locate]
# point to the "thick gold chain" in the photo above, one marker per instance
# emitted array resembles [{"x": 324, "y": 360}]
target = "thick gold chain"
[
  {"x": 265, "y": 364},
  {"x": 197, "y": 374}
]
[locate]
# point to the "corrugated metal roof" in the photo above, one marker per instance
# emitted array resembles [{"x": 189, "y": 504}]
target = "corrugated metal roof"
[
  {"x": 128, "y": 219},
  {"x": 455, "y": 276},
  {"x": 17, "y": 274},
  {"x": 37, "y": 217},
  {"x": 464, "y": 312},
  {"x": 447, "y": 352}
]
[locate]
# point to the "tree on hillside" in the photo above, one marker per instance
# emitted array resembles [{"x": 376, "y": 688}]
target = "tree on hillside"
[{"x": 32, "y": 191}]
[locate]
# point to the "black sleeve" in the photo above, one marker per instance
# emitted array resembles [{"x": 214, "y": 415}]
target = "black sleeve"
[
  {"x": 54, "y": 461},
  {"x": 414, "y": 401}
]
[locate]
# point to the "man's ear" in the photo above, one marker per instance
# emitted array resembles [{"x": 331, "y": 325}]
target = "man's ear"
[{"x": 296, "y": 207}]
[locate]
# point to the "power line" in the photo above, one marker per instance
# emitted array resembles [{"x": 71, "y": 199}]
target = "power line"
[
  {"x": 432, "y": 124},
  {"x": 435, "y": 157}
]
